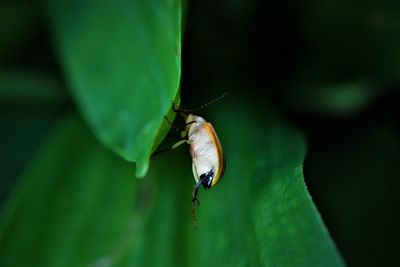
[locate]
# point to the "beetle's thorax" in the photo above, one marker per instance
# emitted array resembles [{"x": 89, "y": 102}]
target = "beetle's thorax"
[{"x": 194, "y": 123}]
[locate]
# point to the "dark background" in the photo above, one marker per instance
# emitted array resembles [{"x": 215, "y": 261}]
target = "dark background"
[{"x": 331, "y": 68}]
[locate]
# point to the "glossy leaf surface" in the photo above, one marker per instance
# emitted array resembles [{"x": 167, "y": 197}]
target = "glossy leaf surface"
[{"x": 122, "y": 62}]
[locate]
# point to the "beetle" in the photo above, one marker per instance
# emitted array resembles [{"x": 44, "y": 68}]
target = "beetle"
[{"x": 208, "y": 160}]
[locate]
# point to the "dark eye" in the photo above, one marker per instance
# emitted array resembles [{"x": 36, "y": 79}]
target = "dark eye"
[{"x": 206, "y": 179}]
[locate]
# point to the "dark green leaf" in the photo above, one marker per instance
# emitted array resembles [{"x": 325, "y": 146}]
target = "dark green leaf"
[
  {"x": 30, "y": 104},
  {"x": 70, "y": 207},
  {"x": 27, "y": 88},
  {"x": 122, "y": 61},
  {"x": 337, "y": 98}
]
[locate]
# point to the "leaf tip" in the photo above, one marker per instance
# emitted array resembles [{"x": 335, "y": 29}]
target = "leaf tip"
[{"x": 142, "y": 168}]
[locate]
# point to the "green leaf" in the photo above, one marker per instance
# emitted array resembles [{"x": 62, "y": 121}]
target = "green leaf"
[
  {"x": 259, "y": 215},
  {"x": 70, "y": 207},
  {"x": 122, "y": 62},
  {"x": 75, "y": 205}
]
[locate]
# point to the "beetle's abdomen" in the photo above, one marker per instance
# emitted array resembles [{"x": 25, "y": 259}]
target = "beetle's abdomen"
[
  {"x": 203, "y": 152},
  {"x": 205, "y": 149}
]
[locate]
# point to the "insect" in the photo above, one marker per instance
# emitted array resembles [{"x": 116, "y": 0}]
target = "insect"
[{"x": 208, "y": 160}]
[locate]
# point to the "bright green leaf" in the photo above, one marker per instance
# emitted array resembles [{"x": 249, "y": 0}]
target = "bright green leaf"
[{"x": 122, "y": 62}]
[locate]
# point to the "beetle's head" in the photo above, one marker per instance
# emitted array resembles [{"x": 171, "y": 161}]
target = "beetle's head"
[{"x": 206, "y": 179}]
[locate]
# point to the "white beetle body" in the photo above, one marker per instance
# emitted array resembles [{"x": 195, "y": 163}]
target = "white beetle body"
[
  {"x": 208, "y": 161},
  {"x": 205, "y": 148}
]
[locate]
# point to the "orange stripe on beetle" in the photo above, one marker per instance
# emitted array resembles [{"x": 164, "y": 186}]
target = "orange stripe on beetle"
[{"x": 218, "y": 148}]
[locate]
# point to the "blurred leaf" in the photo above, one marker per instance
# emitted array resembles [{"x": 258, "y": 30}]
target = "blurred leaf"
[
  {"x": 122, "y": 61},
  {"x": 355, "y": 175},
  {"x": 73, "y": 207},
  {"x": 345, "y": 98},
  {"x": 21, "y": 133},
  {"x": 70, "y": 207},
  {"x": 30, "y": 104},
  {"x": 27, "y": 87},
  {"x": 19, "y": 22},
  {"x": 352, "y": 39}
]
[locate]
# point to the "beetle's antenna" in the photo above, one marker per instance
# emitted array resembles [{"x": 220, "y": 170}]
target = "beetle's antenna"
[
  {"x": 209, "y": 103},
  {"x": 186, "y": 111}
]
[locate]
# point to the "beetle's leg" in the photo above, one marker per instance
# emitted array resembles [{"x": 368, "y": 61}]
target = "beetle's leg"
[
  {"x": 194, "y": 194},
  {"x": 190, "y": 123},
  {"x": 176, "y": 127},
  {"x": 177, "y": 144},
  {"x": 195, "y": 202},
  {"x": 180, "y": 142},
  {"x": 171, "y": 124},
  {"x": 178, "y": 110},
  {"x": 173, "y": 135}
]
